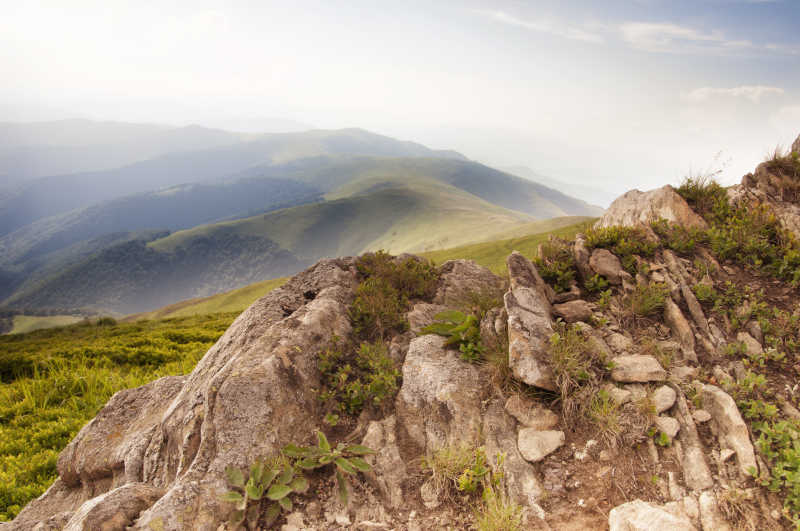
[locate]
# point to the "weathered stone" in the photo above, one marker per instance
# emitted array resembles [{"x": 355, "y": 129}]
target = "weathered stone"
[
  {"x": 710, "y": 515},
  {"x": 439, "y": 402},
  {"x": 529, "y": 324},
  {"x": 753, "y": 347},
  {"x": 620, "y": 343},
  {"x": 605, "y": 263},
  {"x": 682, "y": 373},
  {"x": 620, "y": 396},
  {"x": 530, "y": 415},
  {"x": 638, "y": 391},
  {"x": 573, "y": 311},
  {"x": 695, "y": 310},
  {"x": 460, "y": 279},
  {"x": 637, "y": 368},
  {"x": 115, "y": 510},
  {"x": 54, "y": 523},
  {"x": 701, "y": 415},
  {"x": 422, "y": 315},
  {"x": 388, "y": 468},
  {"x": 500, "y": 433},
  {"x": 429, "y": 495},
  {"x": 733, "y": 431},
  {"x": 663, "y": 398},
  {"x": 668, "y": 425},
  {"x": 636, "y": 208},
  {"x": 535, "y": 445},
  {"x": 696, "y": 474},
  {"x": 680, "y": 328},
  {"x": 574, "y": 293},
  {"x": 581, "y": 254},
  {"x": 754, "y": 329},
  {"x": 642, "y": 516}
]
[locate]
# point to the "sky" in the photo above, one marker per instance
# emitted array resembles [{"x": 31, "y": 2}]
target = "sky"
[{"x": 614, "y": 94}]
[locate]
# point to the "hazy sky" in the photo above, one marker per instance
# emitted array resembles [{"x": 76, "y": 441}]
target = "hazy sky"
[{"x": 612, "y": 93}]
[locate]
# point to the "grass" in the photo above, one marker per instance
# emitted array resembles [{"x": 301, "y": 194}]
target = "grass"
[
  {"x": 29, "y": 323},
  {"x": 231, "y": 301},
  {"x": 493, "y": 254},
  {"x": 56, "y": 380}
]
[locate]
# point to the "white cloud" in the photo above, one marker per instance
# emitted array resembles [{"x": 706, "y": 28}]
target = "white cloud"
[
  {"x": 672, "y": 38},
  {"x": 753, "y": 93},
  {"x": 548, "y": 26}
]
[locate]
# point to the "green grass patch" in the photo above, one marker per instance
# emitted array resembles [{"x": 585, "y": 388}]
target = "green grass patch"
[{"x": 56, "y": 380}]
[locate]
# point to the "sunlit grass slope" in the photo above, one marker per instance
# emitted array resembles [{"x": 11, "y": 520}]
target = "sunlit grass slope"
[
  {"x": 54, "y": 381},
  {"x": 29, "y": 323},
  {"x": 231, "y": 301},
  {"x": 493, "y": 254}
]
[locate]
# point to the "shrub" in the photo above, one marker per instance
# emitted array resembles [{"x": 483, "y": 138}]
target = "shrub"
[
  {"x": 498, "y": 512},
  {"x": 595, "y": 284},
  {"x": 461, "y": 330},
  {"x": 377, "y": 309},
  {"x": 448, "y": 464},
  {"x": 777, "y": 441},
  {"x": 556, "y": 264},
  {"x": 353, "y": 381},
  {"x": 603, "y": 412},
  {"x": 680, "y": 239},
  {"x": 413, "y": 277},
  {"x": 648, "y": 300},
  {"x": 705, "y": 196},
  {"x": 705, "y": 293},
  {"x": 625, "y": 242}
]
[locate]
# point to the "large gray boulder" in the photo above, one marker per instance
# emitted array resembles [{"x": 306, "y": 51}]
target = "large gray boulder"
[
  {"x": 439, "y": 403},
  {"x": 251, "y": 394},
  {"x": 637, "y": 208},
  {"x": 529, "y": 324}
]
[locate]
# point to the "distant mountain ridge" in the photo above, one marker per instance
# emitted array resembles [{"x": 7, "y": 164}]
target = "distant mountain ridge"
[{"x": 314, "y": 194}]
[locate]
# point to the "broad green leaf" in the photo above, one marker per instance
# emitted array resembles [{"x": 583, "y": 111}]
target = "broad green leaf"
[
  {"x": 252, "y": 515},
  {"x": 254, "y": 492},
  {"x": 232, "y": 496},
  {"x": 286, "y": 476},
  {"x": 269, "y": 476},
  {"x": 359, "y": 463},
  {"x": 441, "y": 329},
  {"x": 272, "y": 513},
  {"x": 325, "y": 459},
  {"x": 357, "y": 449},
  {"x": 286, "y": 503},
  {"x": 276, "y": 492},
  {"x": 291, "y": 450},
  {"x": 345, "y": 465},
  {"x": 299, "y": 484},
  {"x": 256, "y": 471},
  {"x": 342, "y": 487},
  {"x": 309, "y": 463},
  {"x": 324, "y": 445},
  {"x": 235, "y": 476}
]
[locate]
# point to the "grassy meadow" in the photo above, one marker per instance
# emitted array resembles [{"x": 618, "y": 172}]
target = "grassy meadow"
[{"x": 54, "y": 381}]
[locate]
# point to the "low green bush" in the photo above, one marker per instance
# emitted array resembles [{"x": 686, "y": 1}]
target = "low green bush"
[
  {"x": 648, "y": 300},
  {"x": 353, "y": 379},
  {"x": 461, "y": 330},
  {"x": 625, "y": 242},
  {"x": 556, "y": 264}
]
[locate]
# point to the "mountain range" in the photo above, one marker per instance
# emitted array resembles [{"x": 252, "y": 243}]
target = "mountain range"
[{"x": 207, "y": 210}]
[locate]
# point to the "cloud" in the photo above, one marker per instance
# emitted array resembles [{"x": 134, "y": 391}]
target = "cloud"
[
  {"x": 666, "y": 37},
  {"x": 548, "y": 26},
  {"x": 672, "y": 38},
  {"x": 753, "y": 93}
]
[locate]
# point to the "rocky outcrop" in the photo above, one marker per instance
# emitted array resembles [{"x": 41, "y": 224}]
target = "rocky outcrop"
[
  {"x": 529, "y": 324},
  {"x": 606, "y": 264},
  {"x": 733, "y": 433},
  {"x": 535, "y": 445},
  {"x": 637, "y": 368},
  {"x": 640, "y": 208}
]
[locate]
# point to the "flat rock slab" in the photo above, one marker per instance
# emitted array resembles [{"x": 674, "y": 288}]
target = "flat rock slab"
[
  {"x": 733, "y": 433},
  {"x": 642, "y": 516},
  {"x": 637, "y": 368},
  {"x": 530, "y": 415},
  {"x": 664, "y": 398},
  {"x": 668, "y": 426},
  {"x": 535, "y": 445},
  {"x": 573, "y": 311}
]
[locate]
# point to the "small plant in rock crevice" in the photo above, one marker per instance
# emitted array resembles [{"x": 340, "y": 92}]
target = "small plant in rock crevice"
[
  {"x": 595, "y": 284},
  {"x": 271, "y": 483},
  {"x": 647, "y": 300},
  {"x": 346, "y": 460},
  {"x": 556, "y": 264},
  {"x": 461, "y": 330}
]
